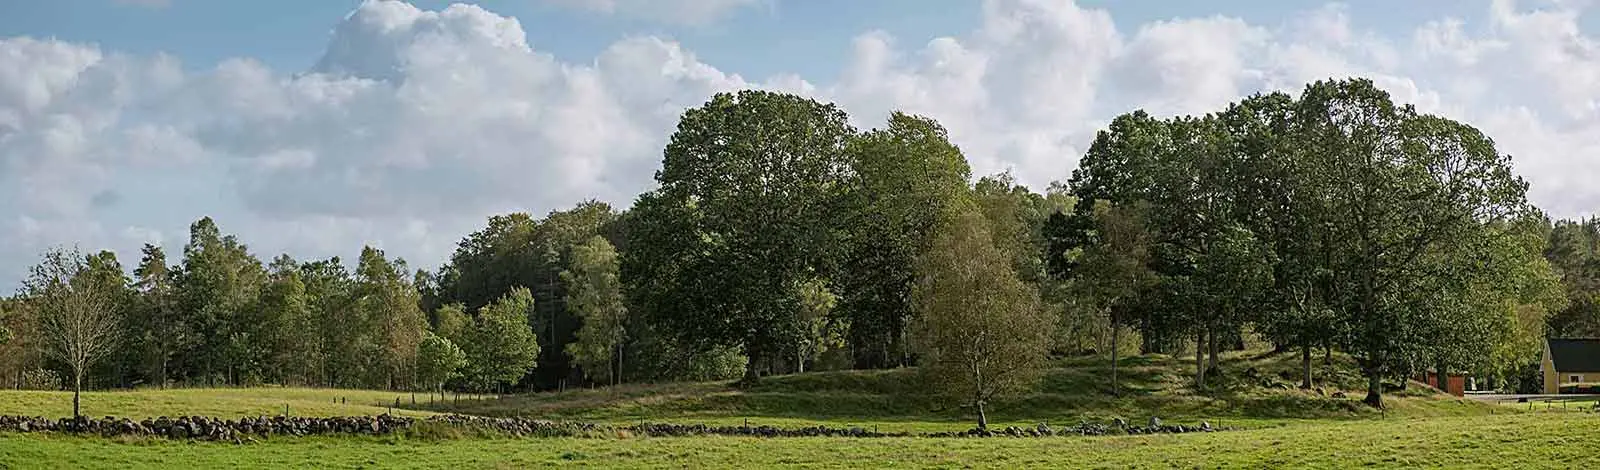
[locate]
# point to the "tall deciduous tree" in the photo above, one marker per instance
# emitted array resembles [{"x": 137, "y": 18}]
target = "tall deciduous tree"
[
  {"x": 501, "y": 347},
  {"x": 1403, "y": 193},
  {"x": 217, "y": 290},
  {"x": 594, "y": 295},
  {"x": 78, "y": 318},
  {"x": 1114, "y": 270},
  {"x": 390, "y": 305},
  {"x": 1232, "y": 277},
  {"x": 904, "y": 176},
  {"x": 981, "y": 329},
  {"x": 438, "y": 361},
  {"x": 749, "y": 186},
  {"x": 289, "y": 327}
]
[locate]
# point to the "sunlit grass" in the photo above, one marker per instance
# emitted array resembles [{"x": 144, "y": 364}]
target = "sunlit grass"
[
  {"x": 213, "y": 402},
  {"x": 1507, "y": 440}
]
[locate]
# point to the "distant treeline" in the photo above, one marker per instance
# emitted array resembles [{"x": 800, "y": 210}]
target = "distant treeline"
[{"x": 780, "y": 239}]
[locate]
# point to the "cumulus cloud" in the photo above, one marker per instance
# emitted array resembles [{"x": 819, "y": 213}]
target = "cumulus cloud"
[{"x": 414, "y": 125}]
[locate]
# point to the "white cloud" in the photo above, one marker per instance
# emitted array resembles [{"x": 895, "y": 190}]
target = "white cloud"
[
  {"x": 414, "y": 125},
  {"x": 685, "y": 12}
]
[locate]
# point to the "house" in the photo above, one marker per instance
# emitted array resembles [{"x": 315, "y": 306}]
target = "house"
[{"x": 1568, "y": 363}]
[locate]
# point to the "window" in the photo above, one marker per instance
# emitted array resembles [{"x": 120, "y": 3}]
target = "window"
[{"x": 1575, "y": 378}]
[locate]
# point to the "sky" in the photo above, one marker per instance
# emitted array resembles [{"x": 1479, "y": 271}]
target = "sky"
[{"x": 314, "y": 127}]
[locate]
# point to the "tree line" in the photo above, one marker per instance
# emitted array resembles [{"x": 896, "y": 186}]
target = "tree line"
[{"x": 781, "y": 239}]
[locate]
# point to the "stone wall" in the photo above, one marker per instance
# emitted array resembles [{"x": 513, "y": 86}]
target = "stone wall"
[{"x": 239, "y": 430}]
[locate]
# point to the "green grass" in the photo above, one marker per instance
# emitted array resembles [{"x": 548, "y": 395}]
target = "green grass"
[
  {"x": 213, "y": 402},
  {"x": 1506, "y": 440},
  {"x": 1281, "y": 427},
  {"x": 1074, "y": 390}
]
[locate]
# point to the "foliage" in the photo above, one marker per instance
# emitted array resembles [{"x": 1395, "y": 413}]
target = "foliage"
[
  {"x": 904, "y": 177},
  {"x": 749, "y": 183},
  {"x": 438, "y": 361},
  {"x": 594, "y": 294},
  {"x": 980, "y": 328},
  {"x": 820, "y": 330},
  {"x": 500, "y": 347}
]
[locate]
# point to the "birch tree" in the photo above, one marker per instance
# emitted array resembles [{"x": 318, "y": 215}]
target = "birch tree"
[{"x": 78, "y": 319}]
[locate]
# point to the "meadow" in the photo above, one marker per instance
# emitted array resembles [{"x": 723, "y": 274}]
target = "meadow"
[
  {"x": 213, "y": 402},
  {"x": 1516, "y": 440},
  {"x": 1275, "y": 425}
]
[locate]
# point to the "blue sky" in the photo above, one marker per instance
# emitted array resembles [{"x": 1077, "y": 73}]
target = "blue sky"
[
  {"x": 805, "y": 36},
  {"x": 123, "y": 120}
]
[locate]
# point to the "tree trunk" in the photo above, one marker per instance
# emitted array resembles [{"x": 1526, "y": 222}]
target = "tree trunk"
[
  {"x": 1374, "y": 390},
  {"x": 752, "y": 373},
  {"x": 1439, "y": 377},
  {"x": 1115, "y": 336},
  {"x": 983, "y": 418},
  {"x": 1305, "y": 367},
  {"x": 1327, "y": 355},
  {"x": 1200, "y": 361},
  {"x": 77, "y": 389},
  {"x": 800, "y": 362},
  {"x": 1215, "y": 347}
]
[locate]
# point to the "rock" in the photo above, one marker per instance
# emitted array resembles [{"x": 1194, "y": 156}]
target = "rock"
[
  {"x": 1120, "y": 423},
  {"x": 1205, "y": 426},
  {"x": 1155, "y": 422}
]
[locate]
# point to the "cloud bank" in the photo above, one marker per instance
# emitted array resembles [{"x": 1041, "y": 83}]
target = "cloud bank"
[{"x": 415, "y": 125}]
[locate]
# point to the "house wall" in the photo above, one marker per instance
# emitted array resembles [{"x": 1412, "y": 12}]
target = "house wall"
[{"x": 1552, "y": 381}]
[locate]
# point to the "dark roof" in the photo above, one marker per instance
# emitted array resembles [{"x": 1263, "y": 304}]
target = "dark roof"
[{"x": 1575, "y": 355}]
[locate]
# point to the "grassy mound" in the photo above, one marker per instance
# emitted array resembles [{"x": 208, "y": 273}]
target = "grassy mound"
[{"x": 1255, "y": 389}]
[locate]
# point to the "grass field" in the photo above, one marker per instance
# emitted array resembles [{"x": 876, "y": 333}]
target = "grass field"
[
  {"x": 1280, "y": 427},
  {"x": 216, "y": 402},
  {"x": 1515, "y": 440}
]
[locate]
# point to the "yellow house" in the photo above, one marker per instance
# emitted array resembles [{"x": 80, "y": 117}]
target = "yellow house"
[{"x": 1569, "y": 362}]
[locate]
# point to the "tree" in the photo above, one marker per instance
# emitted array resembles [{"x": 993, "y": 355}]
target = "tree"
[
  {"x": 1403, "y": 193},
  {"x": 980, "y": 329},
  {"x": 438, "y": 361},
  {"x": 340, "y": 332},
  {"x": 750, "y": 184},
  {"x": 594, "y": 294},
  {"x": 1572, "y": 252},
  {"x": 903, "y": 177},
  {"x": 217, "y": 290},
  {"x": 78, "y": 320},
  {"x": 290, "y": 326},
  {"x": 819, "y": 328},
  {"x": 390, "y": 307},
  {"x": 159, "y": 326},
  {"x": 501, "y": 347},
  {"x": 517, "y": 250},
  {"x": 1114, "y": 269},
  {"x": 452, "y": 322},
  {"x": 1232, "y": 275}
]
